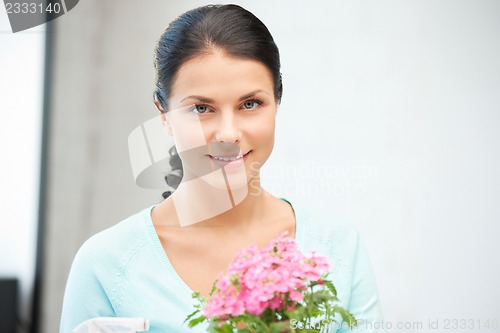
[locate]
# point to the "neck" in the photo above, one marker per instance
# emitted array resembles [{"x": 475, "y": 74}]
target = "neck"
[{"x": 200, "y": 204}]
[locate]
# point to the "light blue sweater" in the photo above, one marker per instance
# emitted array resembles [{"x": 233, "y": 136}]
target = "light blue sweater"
[{"x": 124, "y": 272}]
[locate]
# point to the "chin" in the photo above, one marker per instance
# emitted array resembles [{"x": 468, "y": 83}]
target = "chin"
[{"x": 233, "y": 181}]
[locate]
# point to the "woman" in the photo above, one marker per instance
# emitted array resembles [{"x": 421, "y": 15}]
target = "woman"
[{"x": 218, "y": 89}]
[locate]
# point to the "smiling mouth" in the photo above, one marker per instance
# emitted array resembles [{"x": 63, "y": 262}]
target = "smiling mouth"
[{"x": 228, "y": 158}]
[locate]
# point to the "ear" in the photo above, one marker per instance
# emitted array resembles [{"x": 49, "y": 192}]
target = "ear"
[{"x": 164, "y": 116}]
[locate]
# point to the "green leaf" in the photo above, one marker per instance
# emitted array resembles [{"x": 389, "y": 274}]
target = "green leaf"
[
  {"x": 347, "y": 317},
  {"x": 214, "y": 288},
  {"x": 214, "y": 327},
  {"x": 195, "y": 321},
  {"x": 330, "y": 287},
  {"x": 278, "y": 327},
  {"x": 191, "y": 315}
]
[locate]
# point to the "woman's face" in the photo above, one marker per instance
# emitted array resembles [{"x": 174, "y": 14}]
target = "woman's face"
[{"x": 222, "y": 108}]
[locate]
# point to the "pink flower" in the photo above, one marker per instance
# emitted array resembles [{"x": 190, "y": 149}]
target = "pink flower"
[{"x": 257, "y": 280}]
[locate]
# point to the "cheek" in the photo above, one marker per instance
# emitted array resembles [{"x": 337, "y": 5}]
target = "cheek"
[
  {"x": 262, "y": 133},
  {"x": 187, "y": 134}
]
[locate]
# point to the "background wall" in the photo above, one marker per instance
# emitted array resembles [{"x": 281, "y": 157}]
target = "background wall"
[
  {"x": 390, "y": 116},
  {"x": 21, "y": 91}
]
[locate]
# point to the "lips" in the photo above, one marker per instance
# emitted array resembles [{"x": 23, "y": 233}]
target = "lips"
[
  {"x": 228, "y": 158},
  {"x": 229, "y": 161}
]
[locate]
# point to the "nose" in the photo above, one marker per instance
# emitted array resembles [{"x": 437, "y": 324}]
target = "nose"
[{"x": 227, "y": 128}]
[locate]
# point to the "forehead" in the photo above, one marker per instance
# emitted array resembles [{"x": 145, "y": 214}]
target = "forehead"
[{"x": 218, "y": 75}]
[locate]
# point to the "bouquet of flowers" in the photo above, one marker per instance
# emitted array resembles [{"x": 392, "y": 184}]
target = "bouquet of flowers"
[{"x": 276, "y": 289}]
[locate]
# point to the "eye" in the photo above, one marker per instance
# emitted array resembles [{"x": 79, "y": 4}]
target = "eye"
[
  {"x": 251, "y": 104},
  {"x": 200, "y": 109}
]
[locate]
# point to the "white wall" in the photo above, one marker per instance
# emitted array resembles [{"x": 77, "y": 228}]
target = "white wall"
[
  {"x": 400, "y": 102},
  {"x": 390, "y": 116},
  {"x": 21, "y": 89}
]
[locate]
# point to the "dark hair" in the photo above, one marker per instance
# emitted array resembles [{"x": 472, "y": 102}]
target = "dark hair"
[{"x": 228, "y": 28}]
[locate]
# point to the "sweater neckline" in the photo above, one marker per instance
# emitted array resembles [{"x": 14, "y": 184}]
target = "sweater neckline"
[{"x": 157, "y": 246}]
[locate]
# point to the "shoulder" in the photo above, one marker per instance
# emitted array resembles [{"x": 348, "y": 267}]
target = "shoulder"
[
  {"x": 98, "y": 276},
  {"x": 115, "y": 243},
  {"x": 320, "y": 225},
  {"x": 322, "y": 231}
]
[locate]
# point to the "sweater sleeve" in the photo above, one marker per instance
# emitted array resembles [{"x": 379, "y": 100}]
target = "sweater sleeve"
[
  {"x": 85, "y": 296},
  {"x": 364, "y": 302}
]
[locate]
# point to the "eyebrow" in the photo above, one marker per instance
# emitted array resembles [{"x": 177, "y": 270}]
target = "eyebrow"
[{"x": 209, "y": 100}]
